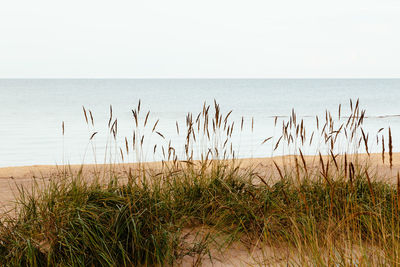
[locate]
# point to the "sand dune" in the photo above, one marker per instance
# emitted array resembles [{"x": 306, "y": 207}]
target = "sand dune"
[{"x": 237, "y": 254}]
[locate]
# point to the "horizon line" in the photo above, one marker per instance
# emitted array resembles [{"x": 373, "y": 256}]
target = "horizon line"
[{"x": 199, "y": 78}]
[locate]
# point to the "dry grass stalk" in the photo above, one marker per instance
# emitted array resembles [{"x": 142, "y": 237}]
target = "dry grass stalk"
[
  {"x": 398, "y": 191},
  {"x": 390, "y": 148},
  {"x": 370, "y": 187},
  {"x": 383, "y": 149}
]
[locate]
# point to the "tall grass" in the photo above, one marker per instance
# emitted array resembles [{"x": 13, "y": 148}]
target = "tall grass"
[{"x": 333, "y": 209}]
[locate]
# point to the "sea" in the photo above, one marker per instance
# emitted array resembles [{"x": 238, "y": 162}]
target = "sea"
[{"x": 42, "y": 121}]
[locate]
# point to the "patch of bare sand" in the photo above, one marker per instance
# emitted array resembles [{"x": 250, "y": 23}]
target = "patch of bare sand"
[{"x": 221, "y": 252}]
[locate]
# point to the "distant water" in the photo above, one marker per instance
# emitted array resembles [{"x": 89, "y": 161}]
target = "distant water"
[{"x": 32, "y": 111}]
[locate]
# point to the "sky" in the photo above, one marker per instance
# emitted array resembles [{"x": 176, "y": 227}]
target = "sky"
[{"x": 200, "y": 39}]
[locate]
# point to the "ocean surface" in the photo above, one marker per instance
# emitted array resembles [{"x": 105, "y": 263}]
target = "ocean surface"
[{"x": 32, "y": 112}]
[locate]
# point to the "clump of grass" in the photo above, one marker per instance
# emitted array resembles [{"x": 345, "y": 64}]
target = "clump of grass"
[
  {"x": 139, "y": 223},
  {"x": 335, "y": 212}
]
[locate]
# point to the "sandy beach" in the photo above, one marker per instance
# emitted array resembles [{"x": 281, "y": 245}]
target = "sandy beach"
[
  {"x": 12, "y": 177},
  {"x": 236, "y": 255}
]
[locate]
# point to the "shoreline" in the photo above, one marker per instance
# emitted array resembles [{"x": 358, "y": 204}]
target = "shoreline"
[{"x": 35, "y": 171}]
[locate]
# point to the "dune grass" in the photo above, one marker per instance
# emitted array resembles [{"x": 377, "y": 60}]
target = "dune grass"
[{"x": 337, "y": 212}]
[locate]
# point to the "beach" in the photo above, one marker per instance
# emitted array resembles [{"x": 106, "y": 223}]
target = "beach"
[
  {"x": 11, "y": 177},
  {"x": 207, "y": 133},
  {"x": 237, "y": 253}
]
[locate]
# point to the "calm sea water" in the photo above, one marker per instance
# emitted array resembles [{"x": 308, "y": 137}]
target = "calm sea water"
[{"x": 32, "y": 111}]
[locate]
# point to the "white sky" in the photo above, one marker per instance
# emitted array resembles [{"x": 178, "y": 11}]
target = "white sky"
[{"x": 204, "y": 38}]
